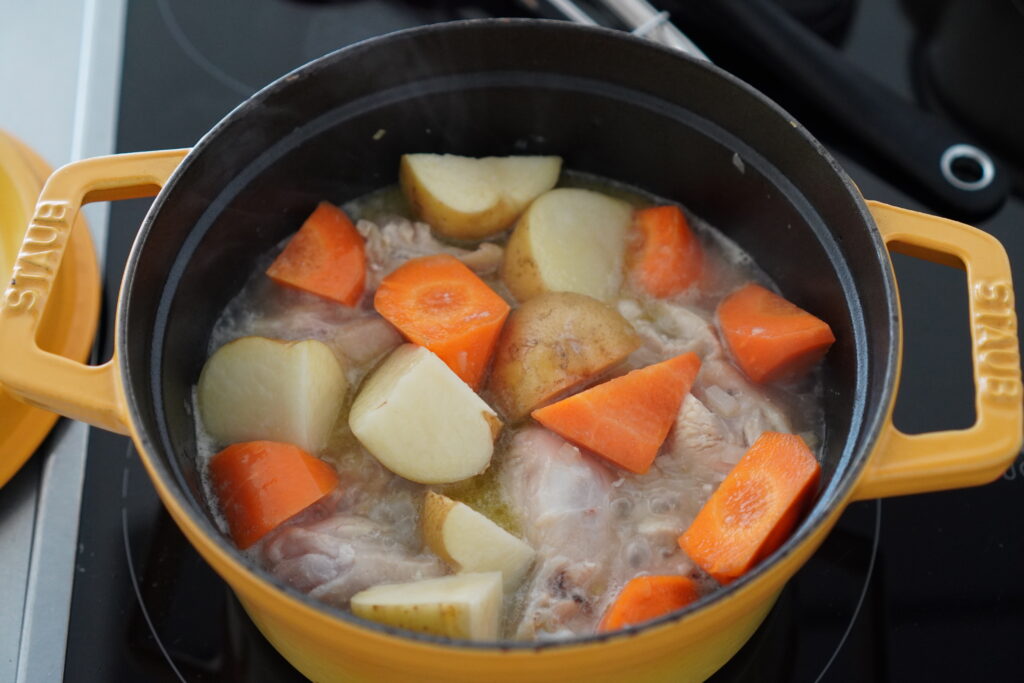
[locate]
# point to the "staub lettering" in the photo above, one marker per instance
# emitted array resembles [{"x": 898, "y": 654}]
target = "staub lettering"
[
  {"x": 995, "y": 332},
  {"x": 37, "y": 262}
]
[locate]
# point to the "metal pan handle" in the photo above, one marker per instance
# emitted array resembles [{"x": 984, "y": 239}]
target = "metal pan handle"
[
  {"x": 916, "y": 463},
  {"x": 92, "y": 394}
]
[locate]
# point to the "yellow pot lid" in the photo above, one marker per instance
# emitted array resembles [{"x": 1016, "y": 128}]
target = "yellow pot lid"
[{"x": 69, "y": 326}]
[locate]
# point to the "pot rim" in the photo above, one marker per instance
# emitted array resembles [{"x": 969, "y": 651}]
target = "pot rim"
[{"x": 836, "y": 494}]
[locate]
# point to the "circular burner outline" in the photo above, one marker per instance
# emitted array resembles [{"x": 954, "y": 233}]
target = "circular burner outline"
[
  {"x": 197, "y": 57},
  {"x": 863, "y": 592},
  {"x": 131, "y": 565}
]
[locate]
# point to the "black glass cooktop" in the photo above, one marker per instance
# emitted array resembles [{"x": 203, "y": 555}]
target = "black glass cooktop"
[{"x": 923, "y": 588}]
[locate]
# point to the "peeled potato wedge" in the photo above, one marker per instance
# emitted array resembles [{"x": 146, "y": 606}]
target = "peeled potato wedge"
[
  {"x": 259, "y": 389},
  {"x": 569, "y": 240},
  {"x": 461, "y": 606},
  {"x": 421, "y": 421},
  {"x": 550, "y": 344},
  {"x": 470, "y": 199},
  {"x": 470, "y": 542}
]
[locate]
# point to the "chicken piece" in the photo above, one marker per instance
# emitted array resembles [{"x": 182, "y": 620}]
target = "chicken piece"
[
  {"x": 355, "y": 341},
  {"x": 700, "y": 441},
  {"x": 549, "y": 483},
  {"x": 667, "y": 330},
  {"x": 357, "y": 336},
  {"x": 562, "y": 498},
  {"x": 334, "y": 558},
  {"x": 397, "y": 240},
  {"x": 752, "y": 411},
  {"x": 364, "y": 339},
  {"x": 656, "y": 507},
  {"x": 364, "y": 533}
]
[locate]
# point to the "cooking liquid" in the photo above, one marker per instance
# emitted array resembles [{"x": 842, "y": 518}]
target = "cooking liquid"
[{"x": 646, "y": 512}]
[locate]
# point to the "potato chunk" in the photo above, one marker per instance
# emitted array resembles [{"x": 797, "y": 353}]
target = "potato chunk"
[
  {"x": 462, "y": 606},
  {"x": 550, "y": 344},
  {"x": 569, "y": 240},
  {"x": 469, "y": 199},
  {"x": 470, "y": 542},
  {"x": 259, "y": 389},
  {"x": 421, "y": 421}
]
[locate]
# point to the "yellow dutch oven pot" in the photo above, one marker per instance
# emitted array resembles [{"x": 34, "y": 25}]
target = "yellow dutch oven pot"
[{"x": 611, "y": 105}]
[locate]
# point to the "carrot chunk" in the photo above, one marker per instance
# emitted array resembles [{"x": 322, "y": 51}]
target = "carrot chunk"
[
  {"x": 325, "y": 257},
  {"x": 755, "y": 508},
  {"x": 439, "y": 303},
  {"x": 260, "y": 484},
  {"x": 625, "y": 419},
  {"x": 664, "y": 257},
  {"x": 770, "y": 338},
  {"x": 647, "y": 597}
]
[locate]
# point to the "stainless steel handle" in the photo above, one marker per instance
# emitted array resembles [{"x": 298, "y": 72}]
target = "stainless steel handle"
[
  {"x": 645, "y": 20},
  {"x": 639, "y": 16}
]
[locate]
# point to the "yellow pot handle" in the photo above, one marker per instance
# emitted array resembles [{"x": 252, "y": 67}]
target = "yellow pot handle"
[
  {"x": 905, "y": 463},
  {"x": 92, "y": 394}
]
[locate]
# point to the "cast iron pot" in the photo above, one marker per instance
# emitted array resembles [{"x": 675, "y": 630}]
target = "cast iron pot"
[{"x": 609, "y": 104}]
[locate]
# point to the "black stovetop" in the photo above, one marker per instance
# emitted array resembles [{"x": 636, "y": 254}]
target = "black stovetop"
[{"x": 923, "y": 588}]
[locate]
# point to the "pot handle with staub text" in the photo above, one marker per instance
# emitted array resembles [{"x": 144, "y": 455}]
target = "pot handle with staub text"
[
  {"x": 92, "y": 394},
  {"x": 916, "y": 463}
]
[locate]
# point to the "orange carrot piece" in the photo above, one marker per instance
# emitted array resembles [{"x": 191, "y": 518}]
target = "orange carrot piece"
[
  {"x": 755, "y": 508},
  {"x": 325, "y": 257},
  {"x": 770, "y": 338},
  {"x": 625, "y": 419},
  {"x": 439, "y": 303},
  {"x": 260, "y": 484},
  {"x": 647, "y": 597},
  {"x": 664, "y": 256}
]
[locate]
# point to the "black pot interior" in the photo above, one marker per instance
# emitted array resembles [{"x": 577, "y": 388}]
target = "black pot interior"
[{"x": 609, "y": 104}]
